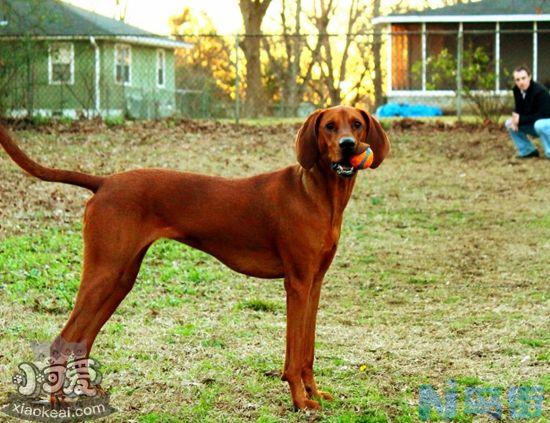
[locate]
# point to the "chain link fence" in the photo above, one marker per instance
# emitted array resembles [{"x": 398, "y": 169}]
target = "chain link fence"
[
  {"x": 240, "y": 76},
  {"x": 465, "y": 67},
  {"x": 84, "y": 77},
  {"x": 273, "y": 75}
]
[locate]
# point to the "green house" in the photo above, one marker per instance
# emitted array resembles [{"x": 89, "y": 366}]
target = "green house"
[{"x": 60, "y": 60}]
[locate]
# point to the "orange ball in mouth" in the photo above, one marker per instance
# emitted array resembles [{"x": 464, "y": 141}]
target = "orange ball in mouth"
[{"x": 362, "y": 160}]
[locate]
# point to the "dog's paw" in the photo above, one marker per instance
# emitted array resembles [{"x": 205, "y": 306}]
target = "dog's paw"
[
  {"x": 307, "y": 405},
  {"x": 314, "y": 393},
  {"x": 324, "y": 395}
]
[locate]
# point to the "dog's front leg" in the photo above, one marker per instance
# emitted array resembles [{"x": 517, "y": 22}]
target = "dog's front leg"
[
  {"x": 297, "y": 298},
  {"x": 309, "y": 341}
]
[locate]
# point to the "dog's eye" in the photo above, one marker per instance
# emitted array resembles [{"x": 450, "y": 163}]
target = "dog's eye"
[
  {"x": 357, "y": 124},
  {"x": 330, "y": 126}
]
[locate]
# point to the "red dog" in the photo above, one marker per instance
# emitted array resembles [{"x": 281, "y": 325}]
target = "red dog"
[{"x": 282, "y": 224}]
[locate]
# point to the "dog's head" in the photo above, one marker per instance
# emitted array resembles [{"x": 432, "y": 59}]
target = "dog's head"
[{"x": 331, "y": 136}]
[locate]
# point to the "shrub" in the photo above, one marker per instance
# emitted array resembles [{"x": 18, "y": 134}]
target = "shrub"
[{"x": 114, "y": 121}]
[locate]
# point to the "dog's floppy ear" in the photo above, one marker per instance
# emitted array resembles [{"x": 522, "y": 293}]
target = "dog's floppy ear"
[
  {"x": 376, "y": 138},
  {"x": 307, "y": 148}
]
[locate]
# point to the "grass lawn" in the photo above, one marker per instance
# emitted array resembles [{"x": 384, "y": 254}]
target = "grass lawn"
[{"x": 442, "y": 274}]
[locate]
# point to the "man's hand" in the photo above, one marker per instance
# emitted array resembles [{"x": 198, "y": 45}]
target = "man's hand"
[
  {"x": 509, "y": 124},
  {"x": 515, "y": 119}
]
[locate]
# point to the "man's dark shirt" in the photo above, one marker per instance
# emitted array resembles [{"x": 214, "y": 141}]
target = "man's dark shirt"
[{"x": 535, "y": 105}]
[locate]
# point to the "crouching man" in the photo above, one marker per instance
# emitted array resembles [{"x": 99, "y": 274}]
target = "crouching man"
[{"x": 531, "y": 115}]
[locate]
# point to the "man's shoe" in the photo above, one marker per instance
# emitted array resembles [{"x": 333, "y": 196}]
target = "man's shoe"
[{"x": 534, "y": 153}]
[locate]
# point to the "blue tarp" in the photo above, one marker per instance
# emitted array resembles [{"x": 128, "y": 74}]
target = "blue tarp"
[{"x": 407, "y": 110}]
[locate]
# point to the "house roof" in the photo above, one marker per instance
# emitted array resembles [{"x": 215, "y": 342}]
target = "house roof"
[
  {"x": 478, "y": 11},
  {"x": 56, "y": 19}
]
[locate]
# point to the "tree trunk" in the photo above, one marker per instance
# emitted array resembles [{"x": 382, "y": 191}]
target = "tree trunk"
[
  {"x": 254, "y": 104},
  {"x": 253, "y": 12},
  {"x": 377, "y": 57},
  {"x": 294, "y": 68}
]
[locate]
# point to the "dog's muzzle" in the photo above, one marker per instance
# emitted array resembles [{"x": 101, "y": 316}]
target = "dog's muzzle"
[{"x": 343, "y": 167}]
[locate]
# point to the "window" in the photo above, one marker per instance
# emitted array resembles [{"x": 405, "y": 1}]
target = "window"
[
  {"x": 478, "y": 58},
  {"x": 161, "y": 68},
  {"x": 406, "y": 58},
  {"x": 441, "y": 47},
  {"x": 61, "y": 63},
  {"x": 516, "y": 48},
  {"x": 123, "y": 64}
]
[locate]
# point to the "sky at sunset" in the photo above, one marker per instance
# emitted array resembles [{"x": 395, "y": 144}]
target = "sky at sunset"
[{"x": 153, "y": 15}]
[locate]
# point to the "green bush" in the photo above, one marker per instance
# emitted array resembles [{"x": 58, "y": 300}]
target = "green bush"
[
  {"x": 65, "y": 120},
  {"x": 113, "y": 121},
  {"x": 478, "y": 80},
  {"x": 40, "y": 120}
]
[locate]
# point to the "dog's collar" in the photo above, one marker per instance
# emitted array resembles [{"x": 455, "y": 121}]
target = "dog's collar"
[{"x": 342, "y": 171}]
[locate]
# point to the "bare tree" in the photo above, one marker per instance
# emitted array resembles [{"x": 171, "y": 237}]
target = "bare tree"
[
  {"x": 121, "y": 9},
  {"x": 207, "y": 68},
  {"x": 287, "y": 67},
  {"x": 293, "y": 48},
  {"x": 323, "y": 12},
  {"x": 253, "y": 12},
  {"x": 377, "y": 56},
  {"x": 377, "y": 45},
  {"x": 334, "y": 71}
]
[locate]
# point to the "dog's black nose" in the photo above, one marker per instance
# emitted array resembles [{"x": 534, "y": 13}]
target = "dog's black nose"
[{"x": 347, "y": 143}]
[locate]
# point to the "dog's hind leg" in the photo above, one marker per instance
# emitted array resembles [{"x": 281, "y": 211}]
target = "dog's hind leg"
[{"x": 114, "y": 247}]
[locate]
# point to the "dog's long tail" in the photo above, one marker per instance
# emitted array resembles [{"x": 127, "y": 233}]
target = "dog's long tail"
[{"x": 83, "y": 180}]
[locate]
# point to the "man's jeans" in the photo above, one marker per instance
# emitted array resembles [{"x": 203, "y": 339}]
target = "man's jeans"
[{"x": 541, "y": 129}]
